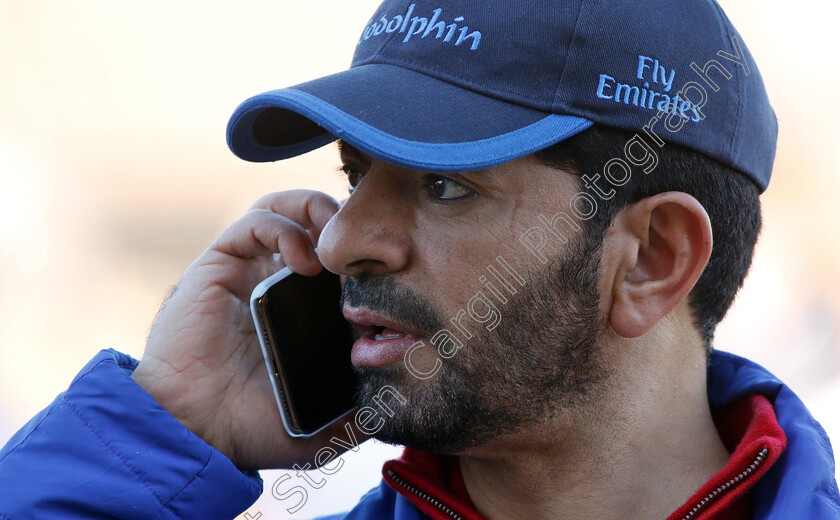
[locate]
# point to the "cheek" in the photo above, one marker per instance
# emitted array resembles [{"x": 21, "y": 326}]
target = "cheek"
[
  {"x": 423, "y": 362},
  {"x": 461, "y": 259}
]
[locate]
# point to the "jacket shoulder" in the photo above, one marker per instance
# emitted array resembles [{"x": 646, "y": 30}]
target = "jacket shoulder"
[
  {"x": 801, "y": 483},
  {"x": 106, "y": 448}
]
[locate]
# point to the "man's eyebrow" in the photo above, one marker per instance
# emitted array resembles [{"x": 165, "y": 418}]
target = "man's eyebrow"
[{"x": 347, "y": 150}]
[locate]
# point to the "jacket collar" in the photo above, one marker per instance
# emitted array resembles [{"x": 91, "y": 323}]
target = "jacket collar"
[{"x": 801, "y": 484}]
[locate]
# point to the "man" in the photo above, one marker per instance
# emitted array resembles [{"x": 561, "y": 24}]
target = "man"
[{"x": 552, "y": 206}]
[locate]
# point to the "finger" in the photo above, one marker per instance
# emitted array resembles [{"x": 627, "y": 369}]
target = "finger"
[
  {"x": 314, "y": 234},
  {"x": 262, "y": 232},
  {"x": 311, "y": 209}
]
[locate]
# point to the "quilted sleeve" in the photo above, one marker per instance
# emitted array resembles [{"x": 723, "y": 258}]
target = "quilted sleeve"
[{"x": 105, "y": 448}]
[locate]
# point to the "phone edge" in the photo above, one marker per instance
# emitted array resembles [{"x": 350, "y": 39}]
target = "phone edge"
[
  {"x": 260, "y": 289},
  {"x": 258, "y": 292}
]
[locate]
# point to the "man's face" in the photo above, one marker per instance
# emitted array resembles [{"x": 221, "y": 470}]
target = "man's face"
[{"x": 422, "y": 252}]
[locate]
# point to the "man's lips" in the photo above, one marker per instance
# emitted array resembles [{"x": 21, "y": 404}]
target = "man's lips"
[
  {"x": 366, "y": 320},
  {"x": 382, "y": 341}
]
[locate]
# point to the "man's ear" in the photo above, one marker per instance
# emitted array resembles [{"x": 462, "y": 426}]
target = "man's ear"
[{"x": 661, "y": 245}]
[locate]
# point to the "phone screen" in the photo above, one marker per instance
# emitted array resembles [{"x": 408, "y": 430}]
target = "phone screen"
[{"x": 310, "y": 343}]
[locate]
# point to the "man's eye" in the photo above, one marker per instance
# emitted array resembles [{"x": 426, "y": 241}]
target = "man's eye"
[
  {"x": 445, "y": 189},
  {"x": 354, "y": 177}
]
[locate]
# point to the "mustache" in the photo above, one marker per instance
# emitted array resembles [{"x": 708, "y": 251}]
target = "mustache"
[{"x": 384, "y": 295}]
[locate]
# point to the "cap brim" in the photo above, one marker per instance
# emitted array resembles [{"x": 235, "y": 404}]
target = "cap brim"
[{"x": 397, "y": 115}]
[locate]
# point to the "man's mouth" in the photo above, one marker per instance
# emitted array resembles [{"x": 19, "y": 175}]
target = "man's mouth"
[
  {"x": 380, "y": 333},
  {"x": 381, "y": 340}
]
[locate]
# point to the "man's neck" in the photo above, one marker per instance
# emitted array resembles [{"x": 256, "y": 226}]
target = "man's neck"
[{"x": 639, "y": 450}]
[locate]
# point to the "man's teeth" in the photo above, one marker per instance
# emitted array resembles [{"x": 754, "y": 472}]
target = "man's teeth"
[{"x": 387, "y": 335}]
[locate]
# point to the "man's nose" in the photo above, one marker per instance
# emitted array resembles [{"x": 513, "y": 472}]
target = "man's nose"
[{"x": 372, "y": 230}]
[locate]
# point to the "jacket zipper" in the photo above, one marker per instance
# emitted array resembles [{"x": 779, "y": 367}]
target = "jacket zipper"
[
  {"x": 416, "y": 492},
  {"x": 727, "y": 486},
  {"x": 697, "y": 509}
]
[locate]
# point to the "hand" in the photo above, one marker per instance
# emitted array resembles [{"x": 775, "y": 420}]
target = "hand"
[{"x": 203, "y": 361}]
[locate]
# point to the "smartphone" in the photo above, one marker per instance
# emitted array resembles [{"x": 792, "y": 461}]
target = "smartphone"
[{"x": 306, "y": 343}]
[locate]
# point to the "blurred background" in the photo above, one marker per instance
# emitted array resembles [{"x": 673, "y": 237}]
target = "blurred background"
[{"x": 114, "y": 176}]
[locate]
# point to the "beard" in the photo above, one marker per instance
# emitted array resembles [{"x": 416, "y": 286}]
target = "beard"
[{"x": 541, "y": 357}]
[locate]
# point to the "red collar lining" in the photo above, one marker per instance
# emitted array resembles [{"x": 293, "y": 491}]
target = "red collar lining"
[{"x": 746, "y": 427}]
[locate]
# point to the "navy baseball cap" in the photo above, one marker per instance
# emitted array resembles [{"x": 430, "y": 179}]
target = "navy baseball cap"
[{"x": 452, "y": 85}]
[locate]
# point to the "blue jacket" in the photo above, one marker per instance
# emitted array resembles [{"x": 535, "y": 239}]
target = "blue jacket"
[{"x": 106, "y": 449}]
